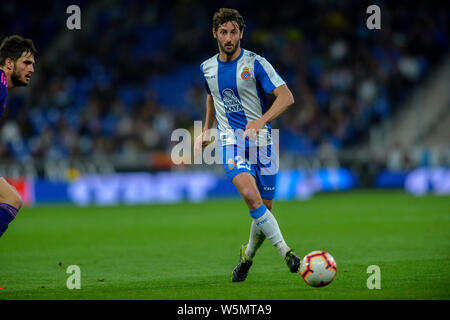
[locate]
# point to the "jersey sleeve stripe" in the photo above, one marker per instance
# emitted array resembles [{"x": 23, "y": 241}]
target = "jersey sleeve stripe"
[{"x": 267, "y": 75}]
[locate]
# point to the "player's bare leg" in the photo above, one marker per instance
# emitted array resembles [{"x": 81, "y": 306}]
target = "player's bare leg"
[
  {"x": 263, "y": 223},
  {"x": 10, "y": 204},
  {"x": 268, "y": 203},
  {"x": 246, "y": 185},
  {"x": 9, "y": 194}
]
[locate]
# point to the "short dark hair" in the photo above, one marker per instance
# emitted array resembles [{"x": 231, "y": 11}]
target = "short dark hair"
[
  {"x": 14, "y": 46},
  {"x": 225, "y": 15}
]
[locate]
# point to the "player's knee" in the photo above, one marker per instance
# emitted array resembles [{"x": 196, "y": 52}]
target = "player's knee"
[
  {"x": 15, "y": 200},
  {"x": 252, "y": 198},
  {"x": 18, "y": 202},
  {"x": 10, "y": 195}
]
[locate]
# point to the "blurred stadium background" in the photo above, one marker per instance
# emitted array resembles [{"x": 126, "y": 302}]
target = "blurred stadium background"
[
  {"x": 371, "y": 111},
  {"x": 93, "y": 129}
]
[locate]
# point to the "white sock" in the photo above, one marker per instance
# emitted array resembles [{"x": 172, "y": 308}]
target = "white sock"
[
  {"x": 267, "y": 223},
  {"x": 282, "y": 248},
  {"x": 255, "y": 241}
]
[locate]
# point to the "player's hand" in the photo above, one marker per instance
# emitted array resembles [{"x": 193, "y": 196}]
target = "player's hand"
[
  {"x": 252, "y": 128},
  {"x": 202, "y": 141}
]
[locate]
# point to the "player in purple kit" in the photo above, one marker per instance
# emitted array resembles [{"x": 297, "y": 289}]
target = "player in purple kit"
[{"x": 17, "y": 58}]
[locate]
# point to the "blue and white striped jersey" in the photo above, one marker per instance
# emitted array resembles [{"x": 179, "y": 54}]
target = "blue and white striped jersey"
[{"x": 239, "y": 89}]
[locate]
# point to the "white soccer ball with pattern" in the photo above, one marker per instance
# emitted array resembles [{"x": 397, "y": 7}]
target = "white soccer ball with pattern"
[{"x": 318, "y": 268}]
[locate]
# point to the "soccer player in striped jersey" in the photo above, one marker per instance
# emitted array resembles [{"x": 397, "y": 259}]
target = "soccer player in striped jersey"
[
  {"x": 237, "y": 81},
  {"x": 17, "y": 58}
]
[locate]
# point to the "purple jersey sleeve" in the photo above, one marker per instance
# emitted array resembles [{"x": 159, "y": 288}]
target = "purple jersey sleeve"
[{"x": 3, "y": 92}]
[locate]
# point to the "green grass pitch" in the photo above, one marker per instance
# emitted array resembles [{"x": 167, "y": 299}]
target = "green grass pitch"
[{"x": 188, "y": 251}]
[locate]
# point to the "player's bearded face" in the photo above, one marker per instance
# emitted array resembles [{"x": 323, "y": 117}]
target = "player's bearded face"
[
  {"x": 229, "y": 47},
  {"x": 228, "y": 37},
  {"x": 23, "y": 68}
]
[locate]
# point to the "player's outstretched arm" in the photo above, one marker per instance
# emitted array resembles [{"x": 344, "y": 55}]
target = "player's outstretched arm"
[{"x": 283, "y": 100}]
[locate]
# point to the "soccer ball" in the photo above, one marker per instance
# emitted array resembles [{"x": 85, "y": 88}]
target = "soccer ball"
[{"x": 318, "y": 268}]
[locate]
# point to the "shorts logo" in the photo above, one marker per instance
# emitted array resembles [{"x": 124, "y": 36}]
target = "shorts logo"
[
  {"x": 245, "y": 75},
  {"x": 231, "y": 164}
]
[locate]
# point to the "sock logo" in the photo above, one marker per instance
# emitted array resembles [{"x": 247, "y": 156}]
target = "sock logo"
[{"x": 261, "y": 222}]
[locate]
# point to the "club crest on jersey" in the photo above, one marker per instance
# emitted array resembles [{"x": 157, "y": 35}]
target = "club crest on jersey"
[
  {"x": 231, "y": 102},
  {"x": 245, "y": 75}
]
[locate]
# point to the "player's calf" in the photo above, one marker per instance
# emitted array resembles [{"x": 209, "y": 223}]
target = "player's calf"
[{"x": 268, "y": 203}]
